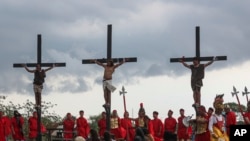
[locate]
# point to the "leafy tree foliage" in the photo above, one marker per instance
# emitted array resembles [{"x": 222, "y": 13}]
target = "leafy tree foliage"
[{"x": 26, "y": 109}]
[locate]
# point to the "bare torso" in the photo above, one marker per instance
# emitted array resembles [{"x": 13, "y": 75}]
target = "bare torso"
[{"x": 108, "y": 71}]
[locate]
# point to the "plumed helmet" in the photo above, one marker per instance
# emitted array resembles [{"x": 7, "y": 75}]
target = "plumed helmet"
[
  {"x": 218, "y": 102},
  {"x": 141, "y": 110}
]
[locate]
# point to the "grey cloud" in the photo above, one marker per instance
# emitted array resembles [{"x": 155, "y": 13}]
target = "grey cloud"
[{"x": 72, "y": 31}]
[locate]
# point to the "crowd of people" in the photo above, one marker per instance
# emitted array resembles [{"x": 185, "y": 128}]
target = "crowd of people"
[{"x": 209, "y": 125}]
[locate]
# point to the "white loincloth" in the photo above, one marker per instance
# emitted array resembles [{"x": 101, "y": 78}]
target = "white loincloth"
[{"x": 108, "y": 84}]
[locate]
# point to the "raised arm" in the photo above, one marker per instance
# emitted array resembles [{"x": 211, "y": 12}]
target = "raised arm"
[
  {"x": 183, "y": 63},
  {"x": 210, "y": 62},
  {"x": 99, "y": 63},
  {"x": 49, "y": 68},
  {"x": 120, "y": 63},
  {"x": 27, "y": 69}
]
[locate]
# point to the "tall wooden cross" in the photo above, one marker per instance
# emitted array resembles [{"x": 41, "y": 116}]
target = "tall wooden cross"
[
  {"x": 104, "y": 60},
  {"x": 197, "y": 54},
  {"x": 39, "y": 61}
]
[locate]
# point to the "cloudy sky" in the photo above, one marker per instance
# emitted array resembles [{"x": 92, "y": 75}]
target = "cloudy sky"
[{"x": 151, "y": 30}]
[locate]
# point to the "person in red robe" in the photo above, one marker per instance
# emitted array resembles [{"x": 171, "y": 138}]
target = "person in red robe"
[
  {"x": 17, "y": 126},
  {"x": 32, "y": 123},
  {"x": 115, "y": 126},
  {"x": 230, "y": 118},
  {"x": 68, "y": 127},
  {"x": 182, "y": 129},
  {"x": 126, "y": 123},
  {"x": 158, "y": 126},
  {"x": 170, "y": 125},
  {"x": 33, "y": 127},
  {"x": 2, "y": 127},
  {"x": 102, "y": 125},
  {"x": 5, "y": 125},
  {"x": 8, "y": 127},
  {"x": 82, "y": 126}
]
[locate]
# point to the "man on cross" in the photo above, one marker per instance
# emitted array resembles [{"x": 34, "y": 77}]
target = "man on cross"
[
  {"x": 109, "y": 69},
  {"x": 39, "y": 75},
  {"x": 198, "y": 73}
]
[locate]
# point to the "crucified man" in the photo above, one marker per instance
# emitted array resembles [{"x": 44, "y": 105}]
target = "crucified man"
[
  {"x": 39, "y": 75},
  {"x": 198, "y": 73},
  {"x": 109, "y": 69}
]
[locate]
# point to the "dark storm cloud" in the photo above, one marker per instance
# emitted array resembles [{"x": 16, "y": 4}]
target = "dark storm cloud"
[{"x": 153, "y": 31}]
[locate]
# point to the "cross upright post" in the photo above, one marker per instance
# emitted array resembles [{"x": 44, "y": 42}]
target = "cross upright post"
[
  {"x": 197, "y": 52},
  {"x": 105, "y": 60},
  {"x": 39, "y": 61}
]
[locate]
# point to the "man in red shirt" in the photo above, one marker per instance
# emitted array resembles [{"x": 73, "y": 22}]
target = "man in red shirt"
[
  {"x": 33, "y": 127},
  {"x": 126, "y": 123},
  {"x": 5, "y": 126},
  {"x": 102, "y": 125},
  {"x": 182, "y": 129},
  {"x": 17, "y": 126},
  {"x": 68, "y": 127},
  {"x": 170, "y": 124},
  {"x": 32, "y": 121},
  {"x": 230, "y": 118},
  {"x": 2, "y": 127},
  {"x": 82, "y": 126},
  {"x": 158, "y": 126}
]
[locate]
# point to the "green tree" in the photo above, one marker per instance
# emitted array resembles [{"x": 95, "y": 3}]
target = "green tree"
[
  {"x": 94, "y": 121},
  {"x": 48, "y": 119}
]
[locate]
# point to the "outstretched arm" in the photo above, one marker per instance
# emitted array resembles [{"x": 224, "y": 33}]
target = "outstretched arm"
[
  {"x": 99, "y": 63},
  {"x": 210, "y": 62},
  {"x": 120, "y": 63},
  {"x": 183, "y": 63},
  {"x": 49, "y": 68},
  {"x": 27, "y": 69}
]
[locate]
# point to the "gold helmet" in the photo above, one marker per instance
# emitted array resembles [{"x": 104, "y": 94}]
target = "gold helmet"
[{"x": 218, "y": 102}]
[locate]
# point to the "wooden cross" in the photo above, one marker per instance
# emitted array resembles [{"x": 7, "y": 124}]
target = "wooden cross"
[
  {"x": 39, "y": 61},
  {"x": 197, "y": 53},
  {"x": 103, "y": 60}
]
